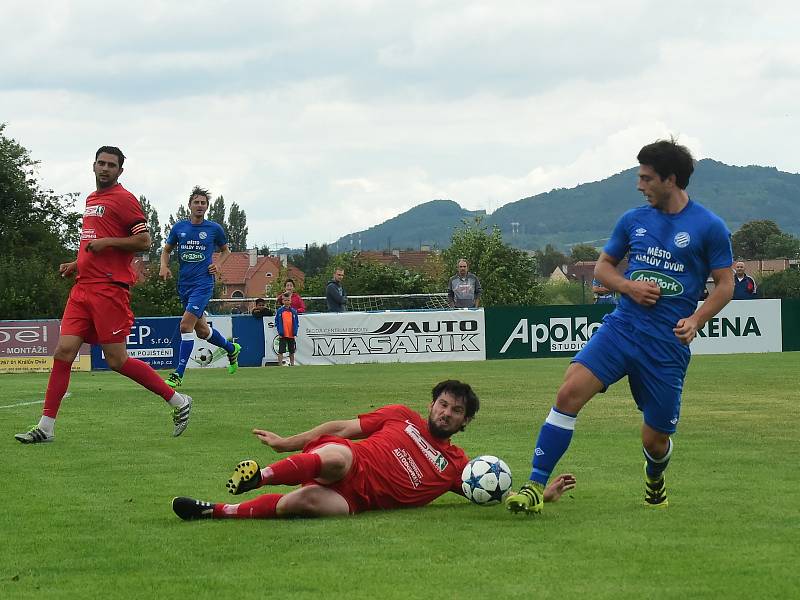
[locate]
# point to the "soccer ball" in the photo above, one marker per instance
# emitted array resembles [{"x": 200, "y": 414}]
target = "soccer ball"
[{"x": 486, "y": 480}]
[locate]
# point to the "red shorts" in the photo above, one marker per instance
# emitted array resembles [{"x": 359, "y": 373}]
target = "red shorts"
[
  {"x": 353, "y": 488},
  {"x": 100, "y": 313}
]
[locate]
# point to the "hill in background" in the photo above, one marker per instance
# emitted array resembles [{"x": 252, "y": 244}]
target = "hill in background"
[{"x": 588, "y": 212}]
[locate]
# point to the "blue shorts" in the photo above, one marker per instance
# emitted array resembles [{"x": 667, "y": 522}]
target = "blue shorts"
[
  {"x": 195, "y": 300},
  {"x": 655, "y": 369}
]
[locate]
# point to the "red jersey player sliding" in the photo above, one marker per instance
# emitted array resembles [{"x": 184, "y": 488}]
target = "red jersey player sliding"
[
  {"x": 98, "y": 309},
  {"x": 402, "y": 461}
]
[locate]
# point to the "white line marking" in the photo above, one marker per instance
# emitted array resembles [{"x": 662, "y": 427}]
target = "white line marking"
[{"x": 67, "y": 395}]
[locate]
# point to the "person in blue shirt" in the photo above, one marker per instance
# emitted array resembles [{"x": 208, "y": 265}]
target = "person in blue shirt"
[
  {"x": 744, "y": 286},
  {"x": 196, "y": 240},
  {"x": 672, "y": 244},
  {"x": 287, "y": 324},
  {"x": 602, "y": 295}
]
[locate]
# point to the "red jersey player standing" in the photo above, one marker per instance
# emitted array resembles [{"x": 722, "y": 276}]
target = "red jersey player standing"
[
  {"x": 402, "y": 461},
  {"x": 98, "y": 309}
]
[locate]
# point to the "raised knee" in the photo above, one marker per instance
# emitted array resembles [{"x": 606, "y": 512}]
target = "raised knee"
[{"x": 115, "y": 363}]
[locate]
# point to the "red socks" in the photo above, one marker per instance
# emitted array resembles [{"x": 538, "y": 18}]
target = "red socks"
[
  {"x": 297, "y": 469},
  {"x": 56, "y": 387},
  {"x": 263, "y": 507},
  {"x": 144, "y": 375}
]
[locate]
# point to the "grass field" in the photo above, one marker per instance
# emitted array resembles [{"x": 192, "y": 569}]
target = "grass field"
[{"x": 89, "y": 516}]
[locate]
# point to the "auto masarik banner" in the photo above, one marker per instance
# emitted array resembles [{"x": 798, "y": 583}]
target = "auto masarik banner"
[{"x": 356, "y": 337}]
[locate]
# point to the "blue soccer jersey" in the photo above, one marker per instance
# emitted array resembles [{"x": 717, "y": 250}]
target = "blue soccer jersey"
[
  {"x": 677, "y": 251},
  {"x": 196, "y": 245}
]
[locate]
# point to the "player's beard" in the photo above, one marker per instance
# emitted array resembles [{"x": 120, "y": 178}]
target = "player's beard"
[{"x": 439, "y": 432}]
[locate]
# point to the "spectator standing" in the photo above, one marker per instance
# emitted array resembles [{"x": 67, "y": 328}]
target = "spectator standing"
[
  {"x": 464, "y": 288},
  {"x": 287, "y": 325},
  {"x": 602, "y": 295},
  {"x": 744, "y": 286},
  {"x": 297, "y": 301},
  {"x": 335, "y": 294}
]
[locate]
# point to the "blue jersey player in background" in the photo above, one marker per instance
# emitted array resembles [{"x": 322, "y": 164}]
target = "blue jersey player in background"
[
  {"x": 196, "y": 240},
  {"x": 672, "y": 244}
]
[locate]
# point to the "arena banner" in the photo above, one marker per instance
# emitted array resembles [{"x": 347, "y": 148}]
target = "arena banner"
[
  {"x": 414, "y": 336},
  {"x": 742, "y": 326},
  {"x": 156, "y": 341},
  {"x": 28, "y": 346},
  {"x": 552, "y": 331}
]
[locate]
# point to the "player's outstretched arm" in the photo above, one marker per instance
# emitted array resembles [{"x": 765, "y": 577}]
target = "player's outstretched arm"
[
  {"x": 558, "y": 486},
  {"x": 349, "y": 429}
]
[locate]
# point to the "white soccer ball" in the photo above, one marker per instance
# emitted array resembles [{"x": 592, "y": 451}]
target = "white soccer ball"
[{"x": 486, "y": 480}]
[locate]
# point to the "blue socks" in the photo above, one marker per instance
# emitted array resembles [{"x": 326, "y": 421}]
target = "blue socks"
[
  {"x": 656, "y": 466},
  {"x": 554, "y": 438},
  {"x": 217, "y": 339},
  {"x": 187, "y": 344}
]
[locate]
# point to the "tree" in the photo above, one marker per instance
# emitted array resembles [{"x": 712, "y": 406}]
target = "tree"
[
  {"x": 750, "y": 241},
  {"x": 784, "y": 284},
  {"x": 582, "y": 252},
  {"x": 182, "y": 214},
  {"x": 237, "y": 229},
  {"x": 782, "y": 245},
  {"x": 155, "y": 297},
  {"x": 155, "y": 228},
  {"x": 39, "y": 230},
  {"x": 216, "y": 212},
  {"x": 507, "y": 275},
  {"x": 313, "y": 260},
  {"x": 548, "y": 259}
]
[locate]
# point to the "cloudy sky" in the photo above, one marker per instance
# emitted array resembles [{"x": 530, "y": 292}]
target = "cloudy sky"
[{"x": 323, "y": 118}]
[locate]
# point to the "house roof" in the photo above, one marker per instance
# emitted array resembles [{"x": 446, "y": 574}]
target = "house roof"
[
  {"x": 410, "y": 259},
  {"x": 235, "y": 270}
]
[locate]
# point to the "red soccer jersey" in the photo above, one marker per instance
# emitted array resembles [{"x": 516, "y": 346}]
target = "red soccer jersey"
[
  {"x": 406, "y": 466},
  {"x": 113, "y": 212}
]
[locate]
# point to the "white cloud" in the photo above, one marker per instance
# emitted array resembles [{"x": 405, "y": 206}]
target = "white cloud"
[{"x": 322, "y": 118}]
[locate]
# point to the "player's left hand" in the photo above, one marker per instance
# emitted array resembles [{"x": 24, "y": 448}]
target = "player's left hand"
[
  {"x": 558, "y": 486},
  {"x": 686, "y": 330},
  {"x": 97, "y": 245}
]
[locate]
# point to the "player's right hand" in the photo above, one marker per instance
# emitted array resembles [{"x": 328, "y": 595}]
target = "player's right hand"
[
  {"x": 164, "y": 273},
  {"x": 645, "y": 293},
  {"x": 68, "y": 269},
  {"x": 273, "y": 440}
]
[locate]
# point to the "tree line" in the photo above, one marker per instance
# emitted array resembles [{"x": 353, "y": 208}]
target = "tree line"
[{"x": 40, "y": 230}]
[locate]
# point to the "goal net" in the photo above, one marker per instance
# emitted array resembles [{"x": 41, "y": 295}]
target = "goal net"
[{"x": 227, "y": 306}]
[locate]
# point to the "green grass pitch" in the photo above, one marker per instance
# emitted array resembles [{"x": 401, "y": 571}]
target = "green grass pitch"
[{"x": 89, "y": 516}]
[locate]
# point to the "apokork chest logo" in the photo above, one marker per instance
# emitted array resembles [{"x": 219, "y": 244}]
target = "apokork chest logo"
[{"x": 682, "y": 239}]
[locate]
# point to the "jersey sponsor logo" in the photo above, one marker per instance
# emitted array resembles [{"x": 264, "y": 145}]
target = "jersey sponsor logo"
[
  {"x": 94, "y": 211},
  {"x": 202, "y": 235},
  {"x": 435, "y": 457},
  {"x": 682, "y": 239},
  {"x": 411, "y": 468},
  {"x": 669, "y": 285},
  {"x": 563, "y": 334},
  {"x": 640, "y": 231},
  {"x": 192, "y": 257}
]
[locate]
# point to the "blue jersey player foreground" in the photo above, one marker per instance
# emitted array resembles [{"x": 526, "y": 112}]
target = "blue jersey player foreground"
[
  {"x": 672, "y": 244},
  {"x": 196, "y": 240}
]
